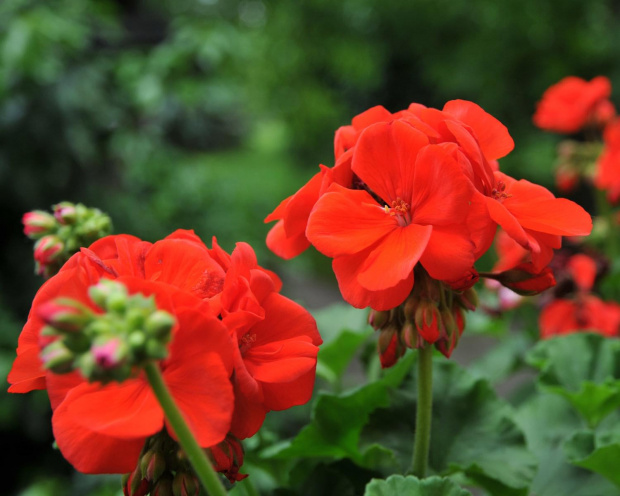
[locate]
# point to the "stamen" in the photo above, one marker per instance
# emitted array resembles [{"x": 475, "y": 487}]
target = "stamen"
[
  {"x": 401, "y": 210},
  {"x": 499, "y": 192},
  {"x": 246, "y": 342}
]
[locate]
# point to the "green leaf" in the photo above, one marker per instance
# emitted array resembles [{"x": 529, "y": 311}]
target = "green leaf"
[
  {"x": 335, "y": 356},
  {"x": 502, "y": 359},
  {"x": 584, "y": 368},
  {"x": 397, "y": 485},
  {"x": 334, "y": 318},
  {"x": 598, "y": 453},
  {"x": 337, "y": 420},
  {"x": 548, "y": 421},
  {"x": 473, "y": 432}
]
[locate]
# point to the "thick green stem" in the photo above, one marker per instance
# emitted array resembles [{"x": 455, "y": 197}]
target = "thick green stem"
[
  {"x": 424, "y": 412},
  {"x": 195, "y": 454}
]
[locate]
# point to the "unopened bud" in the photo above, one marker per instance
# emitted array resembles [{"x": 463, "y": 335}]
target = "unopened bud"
[
  {"x": 389, "y": 346},
  {"x": 468, "y": 299},
  {"x": 185, "y": 484},
  {"x": 163, "y": 487},
  {"x": 57, "y": 357},
  {"x": 38, "y": 223},
  {"x": 378, "y": 319},
  {"x": 159, "y": 324},
  {"x": 47, "y": 251},
  {"x": 67, "y": 317},
  {"x": 152, "y": 465},
  {"x": 427, "y": 321},
  {"x": 411, "y": 337},
  {"x": 65, "y": 213},
  {"x": 109, "y": 352}
]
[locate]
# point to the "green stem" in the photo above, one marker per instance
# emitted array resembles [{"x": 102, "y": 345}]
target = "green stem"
[
  {"x": 424, "y": 412},
  {"x": 195, "y": 454}
]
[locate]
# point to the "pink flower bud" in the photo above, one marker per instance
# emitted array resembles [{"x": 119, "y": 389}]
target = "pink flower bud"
[
  {"x": 109, "y": 354},
  {"x": 65, "y": 213},
  {"x": 47, "y": 249},
  {"x": 63, "y": 317},
  {"x": 38, "y": 223}
]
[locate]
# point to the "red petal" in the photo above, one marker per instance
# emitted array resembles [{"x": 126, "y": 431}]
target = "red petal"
[
  {"x": 507, "y": 221},
  {"x": 492, "y": 135},
  {"x": 284, "y": 246},
  {"x": 449, "y": 253},
  {"x": 557, "y": 216},
  {"x": 286, "y": 395},
  {"x": 346, "y": 221},
  {"x": 385, "y": 156},
  {"x": 442, "y": 192},
  {"x": 125, "y": 411},
  {"x": 90, "y": 452},
  {"x": 347, "y": 269},
  {"x": 393, "y": 258},
  {"x": 285, "y": 319},
  {"x": 198, "y": 375}
]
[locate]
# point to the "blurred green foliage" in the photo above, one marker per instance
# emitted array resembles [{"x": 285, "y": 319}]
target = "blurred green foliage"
[{"x": 205, "y": 114}]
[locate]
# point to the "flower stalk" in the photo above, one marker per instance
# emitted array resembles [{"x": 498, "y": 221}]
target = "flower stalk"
[
  {"x": 424, "y": 412},
  {"x": 195, "y": 454}
]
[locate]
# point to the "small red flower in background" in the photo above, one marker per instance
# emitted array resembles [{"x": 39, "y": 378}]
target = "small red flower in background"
[
  {"x": 607, "y": 176},
  {"x": 588, "y": 313},
  {"x": 573, "y": 103},
  {"x": 584, "y": 311},
  {"x": 232, "y": 321}
]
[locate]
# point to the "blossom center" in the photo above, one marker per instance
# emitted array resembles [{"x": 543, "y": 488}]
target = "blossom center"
[
  {"x": 499, "y": 192},
  {"x": 400, "y": 210},
  {"x": 246, "y": 342}
]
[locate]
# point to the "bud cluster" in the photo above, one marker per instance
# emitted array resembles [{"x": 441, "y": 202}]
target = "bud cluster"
[
  {"x": 432, "y": 314},
  {"x": 163, "y": 468},
  {"x": 575, "y": 161},
  {"x": 105, "y": 346},
  {"x": 61, "y": 234}
]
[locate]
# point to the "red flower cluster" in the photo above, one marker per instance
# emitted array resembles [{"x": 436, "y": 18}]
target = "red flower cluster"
[
  {"x": 573, "y": 103},
  {"x": 584, "y": 311},
  {"x": 418, "y": 186},
  {"x": 239, "y": 349},
  {"x": 607, "y": 176}
]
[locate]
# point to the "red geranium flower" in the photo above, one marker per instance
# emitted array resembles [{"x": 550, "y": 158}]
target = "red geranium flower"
[
  {"x": 534, "y": 218},
  {"x": 479, "y": 138},
  {"x": 571, "y": 104},
  {"x": 413, "y": 208},
  {"x": 607, "y": 175},
  {"x": 270, "y": 341}
]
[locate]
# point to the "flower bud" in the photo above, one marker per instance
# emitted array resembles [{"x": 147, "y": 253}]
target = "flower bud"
[
  {"x": 389, "y": 346},
  {"x": 468, "y": 299},
  {"x": 411, "y": 337},
  {"x": 159, "y": 324},
  {"x": 46, "y": 251},
  {"x": 65, "y": 213},
  {"x": 378, "y": 319},
  {"x": 134, "y": 484},
  {"x": 524, "y": 279},
  {"x": 57, "y": 357},
  {"x": 163, "y": 487},
  {"x": 66, "y": 317},
  {"x": 109, "y": 352},
  {"x": 227, "y": 458},
  {"x": 152, "y": 465},
  {"x": 38, "y": 223},
  {"x": 185, "y": 484},
  {"x": 427, "y": 321}
]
